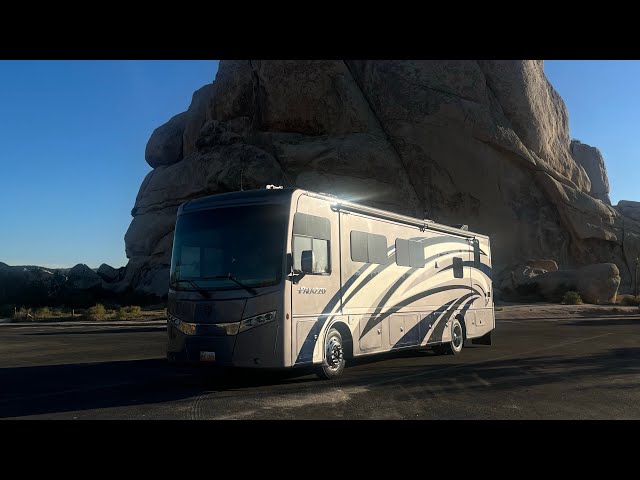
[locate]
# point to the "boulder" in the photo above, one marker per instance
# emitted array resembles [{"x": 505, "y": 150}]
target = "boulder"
[
  {"x": 592, "y": 161},
  {"x": 596, "y": 284},
  {"x": 629, "y": 209},
  {"x": 165, "y": 145}
]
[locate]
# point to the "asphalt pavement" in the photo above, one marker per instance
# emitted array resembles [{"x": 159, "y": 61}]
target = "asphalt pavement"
[{"x": 554, "y": 364}]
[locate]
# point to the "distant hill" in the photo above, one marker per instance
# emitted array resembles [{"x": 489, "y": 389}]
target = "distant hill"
[{"x": 79, "y": 286}]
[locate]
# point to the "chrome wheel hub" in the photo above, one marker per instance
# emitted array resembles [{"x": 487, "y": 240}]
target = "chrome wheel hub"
[
  {"x": 457, "y": 336},
  {"x": 334, "y": 353}
]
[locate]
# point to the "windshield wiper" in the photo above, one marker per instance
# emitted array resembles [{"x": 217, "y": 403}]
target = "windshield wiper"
[
  {"x": 235, "y": 280},
  {"x": 200, "y": 290}
]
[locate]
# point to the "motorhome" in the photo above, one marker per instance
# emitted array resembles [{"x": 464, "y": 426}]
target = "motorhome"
[{"x": 279, "y": 278}]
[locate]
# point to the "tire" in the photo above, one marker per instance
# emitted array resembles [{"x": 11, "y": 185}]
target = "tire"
[
  {"x": 454, "y": 346},
  {"x": 333, "y": 362}
]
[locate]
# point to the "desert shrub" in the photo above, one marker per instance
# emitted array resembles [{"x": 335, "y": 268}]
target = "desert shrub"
[
  {"x": 23, "y": 313},
  {"x": 128, "y": 312},
  {"x": 628, "y": 300},
  {"x": 97, "y": 312},
  {"x": 571, "y": 297},
  {"x": 122, "y": 314},
  {"x": 42, "y": 313}
]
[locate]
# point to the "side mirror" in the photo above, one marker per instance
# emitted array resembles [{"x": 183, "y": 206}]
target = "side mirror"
[{"x": 306, "y": 261}]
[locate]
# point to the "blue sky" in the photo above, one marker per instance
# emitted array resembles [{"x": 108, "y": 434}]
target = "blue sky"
[
  {"x": 73, "y": 135},
  {"x": 603, "y": 101}
]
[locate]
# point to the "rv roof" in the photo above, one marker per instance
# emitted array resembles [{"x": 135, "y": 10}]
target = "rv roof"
[{"x": 278, "y": 195}]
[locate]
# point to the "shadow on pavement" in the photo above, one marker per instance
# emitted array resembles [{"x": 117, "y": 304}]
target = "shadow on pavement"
[
  {"x": 77, "y": 387},
  {"x": 591, "y": 369}
]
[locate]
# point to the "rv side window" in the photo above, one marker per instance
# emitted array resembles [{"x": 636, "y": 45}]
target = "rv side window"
[
  {"x": 368, "y": 247},
  {"x": 313, "y": 233},
  {"x": 476, "y": 253},
  {"x": 320, "y": 249},
  {"x": 409, "y": 253},
  {"x": 457, "y": 267}
]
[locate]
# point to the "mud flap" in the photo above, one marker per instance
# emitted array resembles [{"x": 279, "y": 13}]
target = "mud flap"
[{"x": 484, "y": 340}]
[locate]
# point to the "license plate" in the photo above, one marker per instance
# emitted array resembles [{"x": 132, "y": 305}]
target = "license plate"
[{"x": 207, "y": 356}]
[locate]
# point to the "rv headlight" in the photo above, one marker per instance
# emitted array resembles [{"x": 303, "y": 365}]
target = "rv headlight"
[
  {"x": 184, "y": 327},
  {"x": 251, "y": 322},
  {"x": 229, "y": 328}
]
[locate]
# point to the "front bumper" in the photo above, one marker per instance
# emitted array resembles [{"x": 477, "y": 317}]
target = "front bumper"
[{"x": 254, "y": 348}]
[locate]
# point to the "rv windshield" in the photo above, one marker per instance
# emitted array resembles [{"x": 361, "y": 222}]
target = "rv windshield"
[{"x": 245, "y": 243}]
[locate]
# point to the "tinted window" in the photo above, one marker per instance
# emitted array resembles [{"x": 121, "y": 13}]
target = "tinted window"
[
  {"x": 321, "y": 256},
  {"x": 311, "y": 232},
  {"x": 320, "y": 249},
  {"x": 359, "y": 247},
  {"x": 377, "y": 245},
  {"x": 299, "y": 245},
  {"x": 409, "y": 253},
  {"x": 457, "y": 267},
  {"x": 246, "y": 242},
  {"x": 416, "y": 254},
  {"x": 368, "y": 247},
  {"x": 311, "y": 226},
  {"x": 402, "y": 252}
]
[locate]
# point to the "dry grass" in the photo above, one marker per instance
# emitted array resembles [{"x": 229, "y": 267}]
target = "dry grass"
[{"x": 96, "y": 313}]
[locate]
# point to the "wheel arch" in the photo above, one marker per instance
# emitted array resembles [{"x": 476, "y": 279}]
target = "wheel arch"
[
  {"x": 463, "y": 321},
  {"x": 347, "y": 337}
]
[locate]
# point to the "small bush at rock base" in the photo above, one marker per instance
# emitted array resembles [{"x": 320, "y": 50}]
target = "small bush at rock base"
[{"x": 571, "y": 298}]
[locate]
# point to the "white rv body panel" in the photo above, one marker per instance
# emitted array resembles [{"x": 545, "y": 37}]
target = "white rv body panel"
[{"x": 385, "y": 306}]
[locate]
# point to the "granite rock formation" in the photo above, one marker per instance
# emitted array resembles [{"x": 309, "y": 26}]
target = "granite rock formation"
[{"x": 484, "y": 143}]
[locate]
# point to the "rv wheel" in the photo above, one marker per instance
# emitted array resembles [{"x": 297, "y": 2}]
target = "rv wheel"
[
  {"x": 333, "y": 362},
  {"x": 454, "y": 346}
]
